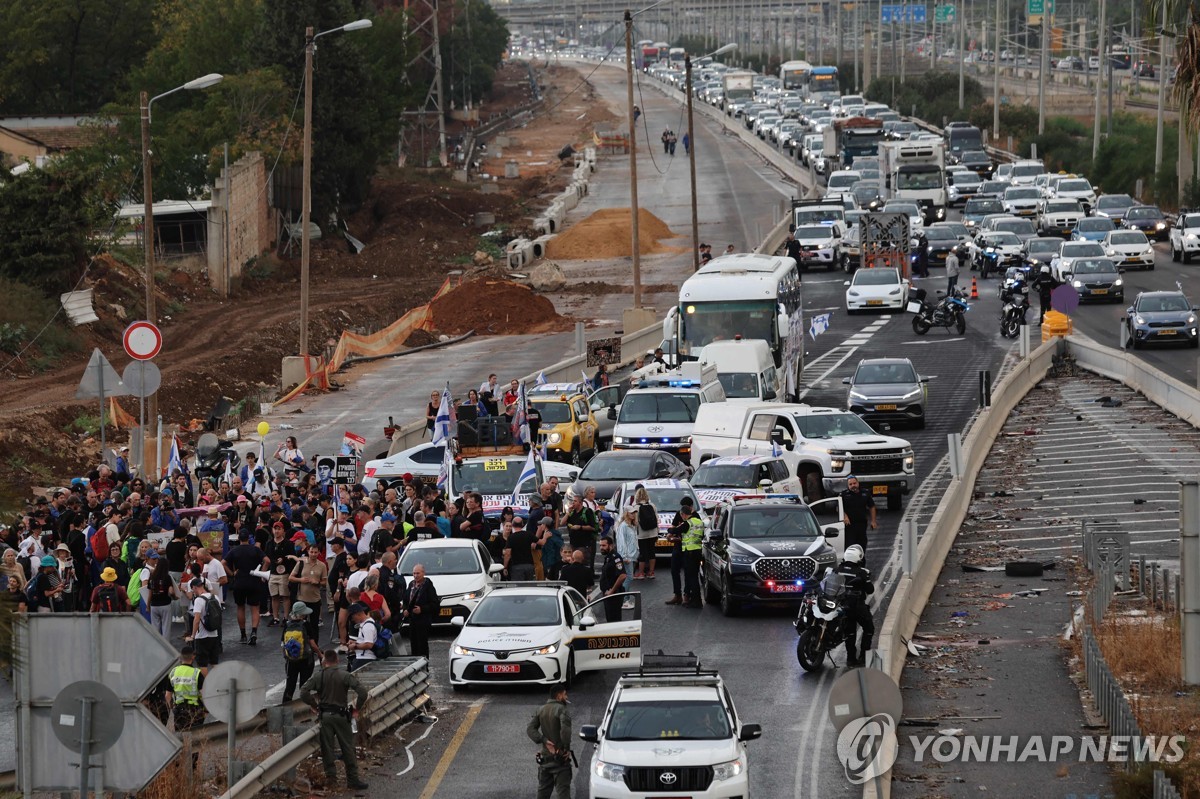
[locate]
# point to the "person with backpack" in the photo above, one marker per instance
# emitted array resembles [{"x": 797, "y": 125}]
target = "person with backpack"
[
  {"x": 206, "y": 626},
  {"x": 647, "y": 533},
  {"x": 363, "y": 646},
  {"x": 298, "y": 649},
  {"x": 138, "y": 588},
  {"x": 108, "y": 597},
  {"x": 45, "y": 588}
]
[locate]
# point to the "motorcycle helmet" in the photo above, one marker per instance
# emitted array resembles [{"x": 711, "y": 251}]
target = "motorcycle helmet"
[
  {"x": 854, "y": 554},
  {"x": 1045, "y": 270}
]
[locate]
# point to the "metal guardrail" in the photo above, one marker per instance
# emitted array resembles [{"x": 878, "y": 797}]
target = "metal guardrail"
[
  {"x": 1109, "y": 699},
  {"x": 1164, "y": 788}
]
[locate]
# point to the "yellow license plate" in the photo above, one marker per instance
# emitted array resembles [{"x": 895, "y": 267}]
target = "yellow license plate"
[
  {"x": 495, "y": 465},
  {"x": 1099, "y": 291},
  {"x": 885, "y": 407},
  {"x": 879, "y": 489},
  {"x": 874, "y": 302},
  {"x": 1166, "y": 332},
  {"x": 446, "y": 612}
]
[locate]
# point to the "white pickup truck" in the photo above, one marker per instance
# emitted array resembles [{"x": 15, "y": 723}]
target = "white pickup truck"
[{"x": 822, "y": 446}]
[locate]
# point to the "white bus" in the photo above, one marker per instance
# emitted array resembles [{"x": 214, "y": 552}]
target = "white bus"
[
  {"x": 752, "y": 296},
  {"x": 676, "y": 56},
  {"x": 795, "y": 74}
]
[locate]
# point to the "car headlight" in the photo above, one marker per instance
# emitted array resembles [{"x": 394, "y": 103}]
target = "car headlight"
[
  {"x": 911, "y": 395},
  {"x": 837, "y": 464},
  {"x": 1191, "y": 320},
  {"x": 741, "y": 560},
  {"x": 1140, "y": 320},
  {"x": 609, "y": 771},
  {"x": 941, "y": 213},
  {"x": 1193, "y": 237},
  {"x": 894, "y": 292},
  {"x": 1078, "y": 284},
  {"x": 852, "y": 293},
  {"x": 460, "y": 650},
  {"x": 1110, "y": 253},
  {"x": 1118, "y": 282},
  {"x": 555, "y": 438},
  {"x": 472, "y": 595},
  {"x": 929, "y": 249},
  {"x": 909, "y": 461},
  {"x": 618, "y": 439},
  {"x": 728, "y": 770},
  {"x": 1160, "y": 226},
  {"x": 546, "y": 650}
]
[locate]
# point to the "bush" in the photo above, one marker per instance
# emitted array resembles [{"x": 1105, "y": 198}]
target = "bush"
[
  {"x": 933, "y": 94},
  {"x": 24, "y": 311}
]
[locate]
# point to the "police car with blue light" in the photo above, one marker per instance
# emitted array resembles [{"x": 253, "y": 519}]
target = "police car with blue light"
[
  {"x": 660, "y": 411},
  {"x": 665, "y": 495},
  {"x": 720, "y": 479}
]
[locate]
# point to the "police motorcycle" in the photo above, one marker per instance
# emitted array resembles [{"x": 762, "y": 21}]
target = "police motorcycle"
[
  {"x": 950, "y": 311},
  {"x": 212, "y": 453},
  {"x": 821, "y": 622},
  {"x": 1014, "y": 294}
]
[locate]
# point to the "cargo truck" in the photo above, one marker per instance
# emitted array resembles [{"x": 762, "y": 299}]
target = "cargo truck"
[
  {"x": 916, "y": 171},
  {"x": 739, "y": 90},
  {"x": 847, "y": 139}
]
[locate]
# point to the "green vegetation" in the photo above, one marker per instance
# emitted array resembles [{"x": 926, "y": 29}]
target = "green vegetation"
[
  {"x": 933, "y": 94},
  {"x": 88, "y": 424},
  {"x": 23, "y": 312}
]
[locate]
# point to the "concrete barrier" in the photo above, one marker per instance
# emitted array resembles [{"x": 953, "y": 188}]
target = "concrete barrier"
[
  {"x": 1172, "y": 395},
  {"x": 542, "y": 224},
  {"x": 539, "y": 246}
]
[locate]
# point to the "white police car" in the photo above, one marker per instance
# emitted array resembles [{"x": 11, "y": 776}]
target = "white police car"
[
  {"x": 720, "y": 479},
  {"x": 665, "y": 494},
  {"x": 525, "y": 633}
]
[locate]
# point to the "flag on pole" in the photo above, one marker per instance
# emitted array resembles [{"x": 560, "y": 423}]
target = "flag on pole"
[
  {"x": 541, "y": 378},
  {"x": 543, "y": 451},
  {"x": 819, "y": 324},
  {"x": 775, "y": 451},
  {"x": 228, "y": 470},
  {"x": 174, "y": 461},
  {"x": 268, "y": 472},
  {"x": 587, "y": 381},
  {"x": 447, "y": 464},
  {"x": 444, "y": 421},
  {"x": 527, "y": 472},
  {"x": 520, "y": 420}
]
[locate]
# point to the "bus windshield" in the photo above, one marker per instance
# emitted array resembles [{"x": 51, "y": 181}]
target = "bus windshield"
[{"x": 706, "y": 322}]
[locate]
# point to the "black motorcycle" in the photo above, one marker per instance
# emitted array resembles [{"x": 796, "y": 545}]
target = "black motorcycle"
[
  {"x": 949, "y": 312},
  {"x": 212, "y": 454},
  {"x": 1016, "y": 307},
  {"x": 821, "y": 623}
]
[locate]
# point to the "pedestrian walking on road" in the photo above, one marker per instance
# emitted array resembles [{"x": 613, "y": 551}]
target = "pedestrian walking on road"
[
  {"x": 687, "y": 143},
  {"x": 300, "y": 650},
  {"x": 329, "y": 694},
  {"x": 421, "y": 605},
  {"x": 858, "y": 508},
  {"x": 671, "y": 141},
  {"x": 551, "y": 727}
]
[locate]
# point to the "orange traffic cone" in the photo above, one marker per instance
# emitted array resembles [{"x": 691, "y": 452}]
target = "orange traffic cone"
[{"x": 974, "y": 289}]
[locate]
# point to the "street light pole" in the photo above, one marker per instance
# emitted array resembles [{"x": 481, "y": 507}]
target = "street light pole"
[
  {"x": 996, "y": 74},
  {"x": 633, "y": 182},
  {"x": 1047, "y": 28},
  {"x": 1162, "y": 91},
  {"x": 1099, "y": 80},
  {"x": 310, "y": 47},
  {"x": 960, "y": 21},
  {"x": 691, "y": 134}
]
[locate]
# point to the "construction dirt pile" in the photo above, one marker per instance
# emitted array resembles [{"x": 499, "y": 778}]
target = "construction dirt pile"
[
  {"x": 606, "y": 234},
  {"x": 494, "y": 307}
]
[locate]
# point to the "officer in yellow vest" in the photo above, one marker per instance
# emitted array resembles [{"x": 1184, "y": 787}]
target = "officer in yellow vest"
[
  {"x": 184, "y": 696},
  {"x": 693, "y": 538}
]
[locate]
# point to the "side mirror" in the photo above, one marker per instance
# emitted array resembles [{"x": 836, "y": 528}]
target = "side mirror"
[
  {"x": 831, "y": 532},
  {"x": 612, "y": 412},
  {"x": 572, "y": 476},
  {"x": 1120, "y": 271},
  {"x": 587, "y": 621},
  {"x": 496, "y": 568},
  {"x": 845, "y": 381},
  {"x": 750, "y": 732},
  {"x": 715, "y": 535},
  {"x": 459, "y": 621},
  {"x": 846, "y": 283},
  {"x": 589, "y": 733},
  {"x": 925, "y": 379},
  {"x": 769, "y": 394}
]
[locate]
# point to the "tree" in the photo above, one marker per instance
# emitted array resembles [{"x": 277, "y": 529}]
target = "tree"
[
  {"x": 472, "y": 49},
  {"x": 1187, "y": 81}
]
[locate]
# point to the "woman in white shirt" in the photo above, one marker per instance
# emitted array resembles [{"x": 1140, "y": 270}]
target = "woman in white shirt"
[{"x": 289, "y": 452}]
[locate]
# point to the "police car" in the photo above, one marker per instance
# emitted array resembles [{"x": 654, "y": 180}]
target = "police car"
[
  {"x": 719, "y": 479},
  {"x": 665, "y": 494},
  {"x": 524, "y": 633},
  {"x": 461, "y": 569},
  {"x": 670, "y": 728}
]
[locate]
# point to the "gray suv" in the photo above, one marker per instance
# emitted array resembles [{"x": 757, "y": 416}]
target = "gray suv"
[{"x": 887, "y": 391}]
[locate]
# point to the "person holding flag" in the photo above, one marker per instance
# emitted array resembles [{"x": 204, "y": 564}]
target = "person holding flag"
[
  {"x": 520, "y": 418},
  {"x": 444, "y": 422}
]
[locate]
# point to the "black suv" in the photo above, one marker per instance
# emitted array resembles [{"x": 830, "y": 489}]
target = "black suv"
[{"x": 763, "y": 549}]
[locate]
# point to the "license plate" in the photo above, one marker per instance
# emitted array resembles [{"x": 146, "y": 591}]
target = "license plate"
[
  {"x": 663, "y": 544},
  {"x": 879, "y": 490},
  {"x": 446, "y": 612},
  {"x": 874, "y": 302},
  {"x": 1167, "y": 332},
  {"x": 1099, "y": 291},
  {"x": 1132, "y": 259},
  {"x": 914, "y": 306},
  {"x": 885, "y": 407},
  {"x": 502, "y": 668},
  {"x": 786, "y": 588}
]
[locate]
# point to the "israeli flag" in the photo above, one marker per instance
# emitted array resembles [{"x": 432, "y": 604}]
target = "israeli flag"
[
  {"x": 529, "y": 471},
  {"x": 228, "y": 470},
  {"x": 441, "y": 422},
  {"x": 775, "y": 450},
  {"x": 543, "y": 452},
  {"x": 819, "y": 324},
  {"x": 447, "y": 464},
  {"x": 174, "y": 462},
  {"x": 541, "y": 379},
  {"x": 587, "y": 381}
]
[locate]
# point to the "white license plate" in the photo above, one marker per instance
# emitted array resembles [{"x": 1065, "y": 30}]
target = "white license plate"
[
  {"x": 786, "y": 588},
  {"x": 514, "y": 668},
  {"x": 914, "y": 307}
]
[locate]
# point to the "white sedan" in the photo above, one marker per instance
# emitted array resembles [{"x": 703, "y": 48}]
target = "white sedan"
[
  {"x": 876, "y": 289},
  {"x": 1071, "y": 252},
  {"x": 461, "y": 569},
  {"x": 1129, "y": 248},
  {"x": 424, "y": 461},
  {"x": 526, "y": 633}
]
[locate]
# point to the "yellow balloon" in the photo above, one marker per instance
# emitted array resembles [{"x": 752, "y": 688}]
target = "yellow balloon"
[{"x": 263, "y": 428}]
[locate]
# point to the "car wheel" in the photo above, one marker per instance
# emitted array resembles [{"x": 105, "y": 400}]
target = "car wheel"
[
  {"x": 711, "y": 595},
  {"x": 576, "y": 458},
  {"x": 729, "y": 605},
  {"x": 569, "y": 677},
  {"x": 1174, "y": 254},
  {"x": 1136, "y": 342},
  {"x": 1187, "y": 257}
]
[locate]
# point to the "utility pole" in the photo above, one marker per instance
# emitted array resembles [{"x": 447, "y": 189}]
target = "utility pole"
[
  {"x": 1162, "y": 91},
  {"x": 996, "y": 72},
  {"x": 691, "y": 154},
  {"x": 148, "y": 255},
  {"x": 838, "y": 28},
  {"x": 1100, "y": 79},
  {"x": 306, "y": 189},
  {"x": 858, "y": 51},
  {"x": 961, "y": 23},
  {"x": 633, "y": 180}
]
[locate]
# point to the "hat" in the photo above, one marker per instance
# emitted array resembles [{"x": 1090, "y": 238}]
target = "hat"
[
  {"x": 264, "y": 503},
  {"x": 124, "y": 449},
  {"x": 278, "y": 525},
  {"x": 343, "y": 509},
  {"x": 77, "y": 481},
  {"x": 407, "y": 477},
  {"x": 299, "y": 537},
  {"x": 387, "y": 517},
  {"x": 213, "y": 510},
  {"x": 547, "y": 521},
  {"x": 243, "y": 498},
  {"x": 109, "y": 575},
  {"x": 152, "y": 554},
  {"x": 357, "y": 607},
  {"x": 62, "y": 548},
  {"x": 300, "y": 610},
  {"x": 166, "y": 492},
  {"x": 49, "y": 560}
]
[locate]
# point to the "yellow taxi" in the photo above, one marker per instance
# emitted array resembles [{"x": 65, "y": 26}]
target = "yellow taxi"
[{"x": 568, "y": 427}]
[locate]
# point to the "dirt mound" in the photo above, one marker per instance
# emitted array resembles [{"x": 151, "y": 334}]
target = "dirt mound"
[
  {"x": 496, "y": 307},
  {"x": 606, "y": 234}
]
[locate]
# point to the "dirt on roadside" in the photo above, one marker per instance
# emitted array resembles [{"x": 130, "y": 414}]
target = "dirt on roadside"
[{"x": 608, "y": 233}]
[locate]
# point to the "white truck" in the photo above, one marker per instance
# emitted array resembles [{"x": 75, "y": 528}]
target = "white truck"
[
  {"x": 822, "y": 446},
  {"x": 746, "y": 369},
  {"x": 916, "y": 171},
  {"x": 738, "y": 86}
]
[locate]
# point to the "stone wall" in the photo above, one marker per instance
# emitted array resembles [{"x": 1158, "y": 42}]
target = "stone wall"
[{"x": 242, "y": 208}]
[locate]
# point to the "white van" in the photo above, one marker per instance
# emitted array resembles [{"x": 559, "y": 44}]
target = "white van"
[
  {"x": 745, "y": 368},
  {"x": 659, "y": 412}
]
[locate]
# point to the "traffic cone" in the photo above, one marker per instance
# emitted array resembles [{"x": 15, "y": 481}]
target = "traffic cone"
[{"x": 974, "y": 289}]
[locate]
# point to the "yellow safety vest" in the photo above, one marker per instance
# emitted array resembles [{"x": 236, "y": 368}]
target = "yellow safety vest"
[
  {"x": 693, "y": 536},
  {"x": 185, "y": 684}
]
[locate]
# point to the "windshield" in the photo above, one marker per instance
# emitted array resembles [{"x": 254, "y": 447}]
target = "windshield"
[
  {"x": 440, "y": 560},
  {"x": 554, "y": 412},
  {"x": 725, "y": 476},
  {"x": 1042, "y": 247},
  {"x": 617, "y": 468},
  {"x": 1081, "y": 250},
  {"x": 1130, "y": 237},
  {"x": 901, "y": 208},
  {"x": 885, "y": 373},
  {"x": 491, "y": 476},
  {"x": 865, "y": 193},
  {"x": 876, "y": 277},
  {"x": 813, "y": 232},
  {"x": 739, "y": 384},
  {"x": 817, "y": 216},
  {"x": 659, "y": 407},
  {"x": 1017, "y": 226},
  {"x": 1002, "y": 239},
  {"x": 939, "y": 234},
  {"x": 1144, "y": 213},
  {"x": 1093, "y": 266},
  {"x": 1095, "y": 225},
  {"x": 504, "y": 609},
  {"x": 966, "y": 179},
  {"x": 1027, "y": 170},
  {"x": 838, "y": 179},
  {"x": 1062, "y": 205},
  {"x": 1022, "y": 194},
  {"x": 1114, "y": 201},
  {"x": 1074, "y": 185},
  {"x": 983, "y": 207},
  {"x": 706, "y": 322},
  {"x": 828, "y": 425},
  {"x": 1157, "y": 304},
  {"x": 665, "y": 500},
  {"x": 919, "y": 180},
  {"x": 703, "y": 720},
  {"x": 975, "y": 157},
  {"x": 781, "y": 521}
]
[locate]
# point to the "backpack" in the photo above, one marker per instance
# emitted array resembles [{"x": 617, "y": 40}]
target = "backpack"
[
  {"x": 100, "y": 544},
  {"x": 129, "y": 552},
  {"x": 134, "y": 589},
  {"x": 107, "y": 599},
  {"x": 295, "y": 642},
  {"x": 31, "y": 591},
  {"x": 383, "y": 641},
  {"x": 647, "y": 518},
  {"x": 210, "y": 619}
]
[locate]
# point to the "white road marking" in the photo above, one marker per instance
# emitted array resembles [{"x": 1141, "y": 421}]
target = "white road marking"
[{"x": 937, "y": 340}]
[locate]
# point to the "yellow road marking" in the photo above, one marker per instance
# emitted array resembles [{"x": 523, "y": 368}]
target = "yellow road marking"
[{"x": 460, "y": 735}]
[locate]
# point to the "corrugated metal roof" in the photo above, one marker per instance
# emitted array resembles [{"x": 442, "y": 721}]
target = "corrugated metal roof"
[
  {"x": 165, "y": 208},
  {"x": 78, "y": 305}
]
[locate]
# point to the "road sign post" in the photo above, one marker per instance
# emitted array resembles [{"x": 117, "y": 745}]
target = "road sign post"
[{"x": 100, "y": 380}]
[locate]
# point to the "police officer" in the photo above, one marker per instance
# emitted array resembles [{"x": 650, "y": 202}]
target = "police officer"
[
  {"x": 551, "y": 727},
  {"x": 1045, "y": 284},
  {"x": 612, "y": 579},
  {"x": 329, "y": 693},
  {"x": 858, "y": 509},
  {"x": 693, "y": 539},
  {"x": 858, "y": 612},
  {"x": 184, "y": 696},
  {"x": 675, "y": 536}
]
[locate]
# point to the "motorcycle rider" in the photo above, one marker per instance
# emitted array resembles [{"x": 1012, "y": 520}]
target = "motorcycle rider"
[
  {"x": 1045, "y": 283},
  {"x": 858, "y": 611}
]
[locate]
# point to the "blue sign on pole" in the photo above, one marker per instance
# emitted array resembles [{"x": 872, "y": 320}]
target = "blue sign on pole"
[{"x": 893, "y": 14}]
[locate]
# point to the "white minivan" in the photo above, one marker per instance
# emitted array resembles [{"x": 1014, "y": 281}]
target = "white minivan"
[
  {"x": 745, "y": 368},
  {"x": 660, "y": 411}
]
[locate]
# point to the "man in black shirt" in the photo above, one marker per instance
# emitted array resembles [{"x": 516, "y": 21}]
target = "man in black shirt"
[
  {"x": 581, "y": 529},
  {"x": 675, "y": 536},
  {"x": 384, "y": 538},
  {"x": 177, "y": 550},
  {"x": 576, "y": 574},
  {"x": 612, "y": 579},
  {"x": 244, "y": 559},
  {"x": 518, "y": 552},
  {"x": 281, "y": 553},
  {"x": 858, "y": 508},
  {"x": 391, "y": 586}
]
